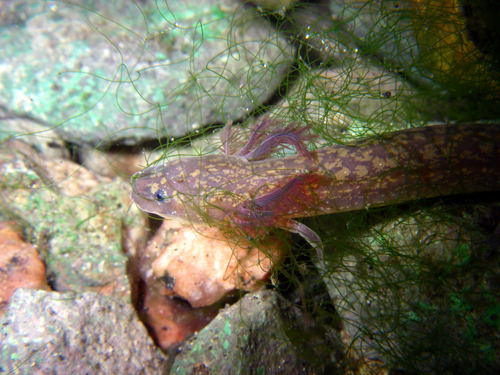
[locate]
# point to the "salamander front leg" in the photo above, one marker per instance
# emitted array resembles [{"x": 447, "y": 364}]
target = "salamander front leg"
[{"x": 295, "y": 196}]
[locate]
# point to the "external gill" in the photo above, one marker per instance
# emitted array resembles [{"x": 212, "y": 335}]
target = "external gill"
[{"x": 263, "y": 141}]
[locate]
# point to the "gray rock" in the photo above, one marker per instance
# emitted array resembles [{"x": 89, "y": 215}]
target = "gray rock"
[
  {"x": 68, "y": 333},
  {"x": 129, "y": 71},
  {"x": 388, "y": 25},
  {"x": 420, "y": 292},
  {"x": 39, "y": 136},
  {"x": 76, "y": 218},
  {"x": 261, "y": 333}
]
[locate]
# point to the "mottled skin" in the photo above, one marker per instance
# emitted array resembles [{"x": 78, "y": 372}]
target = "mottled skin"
[{"x": 238, "y": 191}]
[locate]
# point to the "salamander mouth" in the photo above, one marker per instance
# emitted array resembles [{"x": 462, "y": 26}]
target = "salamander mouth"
[
  {"x": 140, "y": 194},
  {"x": 142, "y": 184}
]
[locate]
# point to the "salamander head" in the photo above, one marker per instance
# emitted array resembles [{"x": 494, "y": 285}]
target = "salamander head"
[{"x": 157, "y": 190}]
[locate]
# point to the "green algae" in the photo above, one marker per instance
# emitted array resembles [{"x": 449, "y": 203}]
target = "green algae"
[{"x": 414, "y": 285}]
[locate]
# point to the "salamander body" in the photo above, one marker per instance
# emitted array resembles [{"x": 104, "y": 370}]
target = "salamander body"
[{"x": 251, "y": 191}]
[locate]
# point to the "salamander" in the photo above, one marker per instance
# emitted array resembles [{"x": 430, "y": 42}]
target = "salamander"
[{"x": 247, "y": 189}]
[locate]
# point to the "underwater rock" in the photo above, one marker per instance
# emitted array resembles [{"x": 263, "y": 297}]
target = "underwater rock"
[
  {"x": 189, "y": 274},
  {"x": 20, "y": 265},
  {"x": 383, "y": 100},
  {"x": 41, "y": 137},
  {"x": 388, "y": 25},
  {"x": 274, "y": 5},
  {"x": 319, "y": 40},
  {"x": 260, "y": 333},
  {"x": 420, "y": 292},
  {"x": 98, "y": 71},
  {"x": 201, "y": 266},
  {"x": 79, "y": 220},
  {"x": 171, "y": 320},
  {"x": 70, "y": 333}
]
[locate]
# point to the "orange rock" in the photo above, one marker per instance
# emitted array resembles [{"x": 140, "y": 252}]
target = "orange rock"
[
  {"x": 171, "y": 320},
  {"x": 202, "y": 267},
  {"x": 188, "y": 270},
  {"x": 148, "y": 254},
  {"x": 20, "y": 265}
]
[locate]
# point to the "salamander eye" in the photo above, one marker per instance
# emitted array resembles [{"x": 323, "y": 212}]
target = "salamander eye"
[{"x": 160, "y": 195}]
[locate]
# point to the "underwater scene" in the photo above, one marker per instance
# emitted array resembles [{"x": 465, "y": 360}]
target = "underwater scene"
[{"x": 249, "y": 187}]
